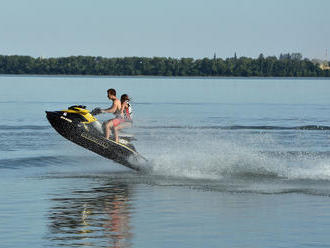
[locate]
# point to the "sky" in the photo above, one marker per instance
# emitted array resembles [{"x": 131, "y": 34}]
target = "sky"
[{"x": 164, "y": 28}]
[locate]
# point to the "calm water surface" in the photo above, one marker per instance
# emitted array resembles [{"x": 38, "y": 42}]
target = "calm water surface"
[{"x": 235, "y": 163}]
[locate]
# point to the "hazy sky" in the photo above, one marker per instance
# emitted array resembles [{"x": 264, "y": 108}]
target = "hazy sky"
[{"x": 169, "y": 28}]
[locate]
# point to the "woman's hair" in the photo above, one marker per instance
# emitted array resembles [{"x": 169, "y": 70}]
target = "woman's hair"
[{"x": 123, "y": 98}]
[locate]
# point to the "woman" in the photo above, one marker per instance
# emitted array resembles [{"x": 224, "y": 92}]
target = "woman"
[{"x": 125, "y": 118}]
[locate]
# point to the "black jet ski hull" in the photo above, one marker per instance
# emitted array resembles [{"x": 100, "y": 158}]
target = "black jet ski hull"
[{"x": 79, "y": 134}]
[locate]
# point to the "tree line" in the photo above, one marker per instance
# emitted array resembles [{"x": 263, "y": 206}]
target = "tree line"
[{"x": 286, "y": 65}]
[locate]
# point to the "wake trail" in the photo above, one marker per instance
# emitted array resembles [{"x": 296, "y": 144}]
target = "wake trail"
[{"x": 218, "y": 159}]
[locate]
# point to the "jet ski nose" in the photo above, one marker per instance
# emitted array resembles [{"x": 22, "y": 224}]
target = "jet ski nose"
[
  {"x": 51, "y": 115},
  {"x": 51, "y": 112}
]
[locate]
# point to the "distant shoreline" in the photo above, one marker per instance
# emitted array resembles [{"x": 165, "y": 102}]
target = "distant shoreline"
[
  {"x": 157, "y": 77},
  {"x": 285, "y": 66}
]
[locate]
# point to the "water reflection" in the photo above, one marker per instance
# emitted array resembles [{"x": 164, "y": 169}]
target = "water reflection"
[{"x": 98, "y": 217}]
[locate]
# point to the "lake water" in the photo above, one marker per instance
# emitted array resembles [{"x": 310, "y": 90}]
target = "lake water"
[{"x": 236, "y": 163}]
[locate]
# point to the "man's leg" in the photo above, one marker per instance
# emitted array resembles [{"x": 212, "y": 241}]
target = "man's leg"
[
  {"x": 120, "y": 126},
  {"x": 108, "y": 126}
]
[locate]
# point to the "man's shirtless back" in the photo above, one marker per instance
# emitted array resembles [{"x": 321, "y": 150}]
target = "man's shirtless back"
[
  {"x": 116, "y": 105},
  {"x": 115, "y": 109}
]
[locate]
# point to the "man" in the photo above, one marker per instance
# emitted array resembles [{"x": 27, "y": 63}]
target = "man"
[{"x": 115, "y": 109}]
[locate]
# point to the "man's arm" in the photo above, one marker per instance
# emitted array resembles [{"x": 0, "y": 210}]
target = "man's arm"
[{"x": 112, "y": 109}]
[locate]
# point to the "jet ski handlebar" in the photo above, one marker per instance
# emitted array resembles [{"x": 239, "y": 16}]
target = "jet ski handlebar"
[{"x": 96, "y": 111}]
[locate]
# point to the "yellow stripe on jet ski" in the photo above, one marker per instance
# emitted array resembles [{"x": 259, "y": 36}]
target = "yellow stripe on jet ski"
[{"x": 134, "y": 152}]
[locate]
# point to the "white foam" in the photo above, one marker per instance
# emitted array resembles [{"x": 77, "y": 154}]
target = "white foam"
[{"x": 214, "y": 158}]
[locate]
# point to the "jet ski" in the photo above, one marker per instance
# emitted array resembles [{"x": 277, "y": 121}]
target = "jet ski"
[{"x": 80, "y": 126}]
